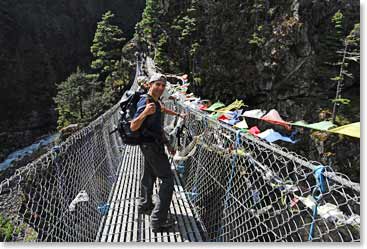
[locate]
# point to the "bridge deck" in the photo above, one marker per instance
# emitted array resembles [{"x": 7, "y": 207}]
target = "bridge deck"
[{"x": 123, "y": 223}]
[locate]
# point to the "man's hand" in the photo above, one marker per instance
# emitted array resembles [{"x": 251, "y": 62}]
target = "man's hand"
[{"x": 149, "y": 108}]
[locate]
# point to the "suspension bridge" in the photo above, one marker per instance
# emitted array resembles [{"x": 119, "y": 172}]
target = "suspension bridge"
[{"x": 229, "y": 187}]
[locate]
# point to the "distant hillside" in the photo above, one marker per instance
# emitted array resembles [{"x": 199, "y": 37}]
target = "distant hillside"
[{"x": 41, "y": 43}]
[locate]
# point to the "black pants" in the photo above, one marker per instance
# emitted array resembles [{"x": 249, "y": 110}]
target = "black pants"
[{"x": 156, "y": 164}]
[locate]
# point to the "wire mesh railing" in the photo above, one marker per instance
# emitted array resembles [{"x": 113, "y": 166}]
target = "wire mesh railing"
[
  {"x": 245, "y": 189},
  {"x": 61, "y": 196}
]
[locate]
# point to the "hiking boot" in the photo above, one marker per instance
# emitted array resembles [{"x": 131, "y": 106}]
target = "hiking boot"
[
  {"x": 170, "y": 222},
  {"x": 145, "y": 209}
]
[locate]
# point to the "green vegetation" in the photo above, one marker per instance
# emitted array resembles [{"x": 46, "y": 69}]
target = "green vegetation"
[
  {"x": 106, "y": 48},
  {"x": 256, "y": 38},
  {"x": 77, "y": 99},
  {"x": 6, "y": 229},
  {"x": 348, "y": 52},
  {"x": 150, "y": 25},
  {"x": 170, "y": 35},
  {"x": 82, "y": 97},
  {"x": 9, "y": 232}
]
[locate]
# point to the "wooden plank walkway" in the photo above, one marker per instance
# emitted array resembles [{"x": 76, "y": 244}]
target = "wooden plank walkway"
[{"x": 123, "y": 223}]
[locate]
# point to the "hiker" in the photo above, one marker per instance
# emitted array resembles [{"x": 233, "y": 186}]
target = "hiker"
[
  {"x": 143, "y": 84},
  {"x": 148, "y": 120},
  {"x": 184, "y": 78}
]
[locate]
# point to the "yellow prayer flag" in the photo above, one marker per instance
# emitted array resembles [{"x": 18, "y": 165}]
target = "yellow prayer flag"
[{"x": 353, "y": 130}]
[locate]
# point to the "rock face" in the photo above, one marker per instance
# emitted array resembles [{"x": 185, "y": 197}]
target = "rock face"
[
  {"x": 293, "y": 71},
  {"x": 287, "y": 67},
  {"x": 41, "y": 44}
]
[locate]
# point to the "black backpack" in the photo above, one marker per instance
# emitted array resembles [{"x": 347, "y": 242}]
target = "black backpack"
[{"x": 128, "y": 106}]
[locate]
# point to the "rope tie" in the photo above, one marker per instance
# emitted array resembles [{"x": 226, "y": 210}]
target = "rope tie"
[
  {"x": 317, "y": 194},
  {"x": 181, "y": 168},
  {"x": 103, "y": 208}
]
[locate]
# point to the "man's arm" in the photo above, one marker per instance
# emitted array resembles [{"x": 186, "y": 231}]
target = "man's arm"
[
  {"x": 138, "y": 121},
  {"x": 170, "y": 112}
]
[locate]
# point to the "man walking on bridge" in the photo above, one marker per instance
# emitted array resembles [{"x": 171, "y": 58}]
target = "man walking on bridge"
[{"x": 148, "y": 120}]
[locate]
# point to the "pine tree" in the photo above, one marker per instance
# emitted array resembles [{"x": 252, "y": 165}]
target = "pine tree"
[
  {"x": 94, "y": 104},
  {"x": 189, "y": 34},
  {"x": 106, "y": 48},
  {"x": 349, "y": 53},
  {"x": 149, "y": 26},
  {"x": 70, "y": 97}
]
